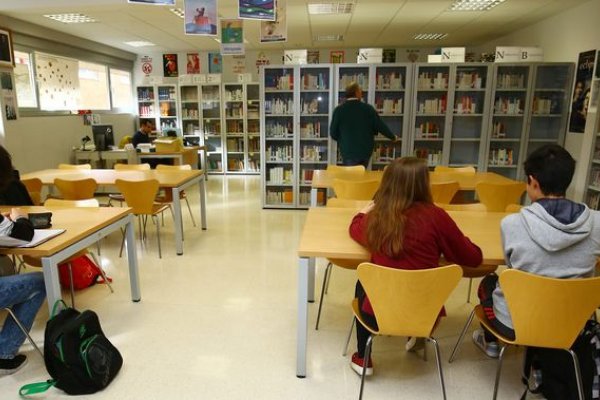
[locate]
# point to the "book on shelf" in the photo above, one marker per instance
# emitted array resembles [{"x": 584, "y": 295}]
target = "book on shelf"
[
  {"x": 388, "y": 106},
  {"x": 279, "y": 106},
  {"x": 313, "y": 82},
  {"x": 433, "y": 157},
  {"x": 310, "y": 129},
  {"x": 428, "y": 130},
  {"x": 360, "y": 78},
  {"x": 391, "y": 80},
  {"x": 465, "y": 105},
  {"x": 511, "y": 81},
  {"x": 543, "y": 106},
  {"x": 279, "y": 130},
  {"x": 468, "y": 80},
  {"x": 498, "y": 130},
  {"x": 280, "y": 197},
  {"x": 433, "y": 106},
  {"x": 281, "y": 82},
  {"x": 279, "y": 153},
  {"x": 505, "y": 105},
  {"x": 313, "y": 153},
  {"x": 279, "y": 176},
  {"x": 593, "y": 200},
  {"x": 305, "y": 198},
  {"x": 501, "y": 156},
  {"x": 432, "y": 80},
  {"x": 234, "y": 164}
]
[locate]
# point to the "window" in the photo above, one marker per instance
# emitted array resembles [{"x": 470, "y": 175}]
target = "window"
[
  {"x": 58, "y": 82},
  {"x": 93, "y": 87},
  {"x": 24, "y": 80},
  {"x": 120, "y": 85}
]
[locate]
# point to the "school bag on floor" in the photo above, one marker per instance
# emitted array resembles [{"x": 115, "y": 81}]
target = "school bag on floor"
[
  {"x": 78, "y": 356},
  {"x": 85, "y": 273}
]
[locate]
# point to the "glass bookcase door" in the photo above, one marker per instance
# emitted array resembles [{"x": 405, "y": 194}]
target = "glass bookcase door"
[
  {"x": 347, "y": 74},
  {"x": 210, "y": 103},
  {"x": 278, "y": 171},
  {"x": 592, "y": 193},
  {"x": 167, "y": 106},
  {"x": 190, "y": 111},
  {"x": 253, "y": 127},
  {"x": 233, "y": 109},
  {"x": 146, "y": 102},
  {"x": 506, "y": 129}
]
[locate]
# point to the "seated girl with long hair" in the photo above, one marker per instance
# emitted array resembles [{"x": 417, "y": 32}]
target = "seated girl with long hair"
[{"x": 402, "y": 228}]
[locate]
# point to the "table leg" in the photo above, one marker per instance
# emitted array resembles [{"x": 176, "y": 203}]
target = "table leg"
[
  {"x": 302, "y": 322},
  {"x": 313, "y": 197},
  {"x": 311, "y": 279},
  {"x": 178, "y": 221},
  {"x": 134, "y": 276},
  {"x": 51, "y": 281},
  {"x": 203, "y": 203}
]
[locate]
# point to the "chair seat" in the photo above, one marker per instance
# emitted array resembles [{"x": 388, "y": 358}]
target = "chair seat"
[{"x": 158, "y": 208}]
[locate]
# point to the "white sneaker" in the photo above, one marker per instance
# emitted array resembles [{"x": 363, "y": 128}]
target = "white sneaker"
[
  {"x": 414, "y": 344},
  {"x": 491, "y": 349}
]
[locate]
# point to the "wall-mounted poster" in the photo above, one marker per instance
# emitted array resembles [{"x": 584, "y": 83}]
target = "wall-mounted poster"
[
  {"x": 275, "y": 31},
  {"x": 193, "y": 63},
  {"x": 215, "y": 63},
  {"x": 8, "y": 95},
  {"x": 257, "y": 9},
  {"x": 336, "y": 56},
  {"x": 581, "y": 91},
  {"x": 232, "y": 36},
  {"x": 201, "y": 17},
  {"x": 389, "y": 56},
  {"x": 170, "y": 68},
  {"x": 157, "y": 2},
  {"x": 6, "y": 49},
  {"x": 312, "y": 56}
]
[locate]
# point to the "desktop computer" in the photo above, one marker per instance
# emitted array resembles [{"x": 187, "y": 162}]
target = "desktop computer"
[{"x": 103, "y": 137}]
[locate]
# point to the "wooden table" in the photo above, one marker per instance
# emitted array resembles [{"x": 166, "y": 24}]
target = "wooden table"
[
  {"x": 323, "y": 179},
  {"x": 189, "y": 155},
  {"x": 175, "y": 180},
  {"x": 482, "y": 228},
  {"x": 84, "y": 227}
]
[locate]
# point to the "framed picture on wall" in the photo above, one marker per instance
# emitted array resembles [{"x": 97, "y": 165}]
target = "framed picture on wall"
[{"x": 6, "y": 49}]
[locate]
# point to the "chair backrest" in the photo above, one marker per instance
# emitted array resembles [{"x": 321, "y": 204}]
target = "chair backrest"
[
  {"x": 407, "y": 302},
  {"x": 346, "y": 203},
  {"x": 513, "y": 208},
  {"x": 462, "y": 207},
  {"x": 72, "y": 203},
  {"x": 355, "y": 189},
  {"x": 548, "y": 312},
  {"x": 443, "y": 192},
  {"x": 79, "y": 189},
  {"x": 139, "y": 195},
  {"x": 34, "y": 188},
  {"x": 132, "y": 167},
  {"x": 443, "y": 168},
  {"x": 346, "y": 172},
  {"x": 183, "y": 167},
  {"x": 74, "y": 166},
  {"x": 496, "y": 196}
]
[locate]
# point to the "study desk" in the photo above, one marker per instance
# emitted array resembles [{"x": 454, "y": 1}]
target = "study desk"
[
  {"x": 483, "y": 228},
  {"x": 323, "y": 179},
  {"x": 189, "y": 155},
  {"x": 84, "y": 227},
  {"x": 176, "y": 180}
]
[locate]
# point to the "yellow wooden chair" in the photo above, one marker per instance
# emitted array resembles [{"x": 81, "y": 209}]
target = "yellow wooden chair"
[
  {"x": 167, "y": 196},
  {"x": 462, "y": 207},
  {"x": 355, "y": 189},
  {"x": 34, "y": 188},
  {"x": 405, "y": 303},
  {"x": 74, "y": 166},
  {"x": 443, "y": 168},
  {"x": 497, "y": 196},
  {"x": 347, "y": 203},
  {"x": 513, "y": 208},
  {"x": 443, "y": 192},
  {"x": 125, "y": 167},
  {"x": 77, "y": 189},
  {"x": 546, "y": 312},
  {"x": 139, "y": 195},
  {"x": 346, "y": 172}
]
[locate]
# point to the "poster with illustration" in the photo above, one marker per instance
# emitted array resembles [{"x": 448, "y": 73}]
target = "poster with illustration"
[
  {"x": 170, "y": 69},
  {"x": 275, "y": 31},
  {"x": 581, "y": 91},
  {"x": 336, "y": 56},
  {"x": 8, "y": 93},
  {"x": 389, "y": 55},
  {"x": 312, "y": 56},
  {"x": 201, "y": 17},
  {"x": 257, "y": 9},
  {"x": 193, "y": 63},
  {"x": 215, "y": 63},
  {"x": 232, "y": 36}
]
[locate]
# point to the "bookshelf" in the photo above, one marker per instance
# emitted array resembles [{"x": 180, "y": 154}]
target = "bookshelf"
[
  {"x": 212, "y": 138},
  {"x": 190, "y": 109},
  {"x": 253, "y": 121},
  {"x": 158, "y": 102},
  {"x": 592, "y": 188}
]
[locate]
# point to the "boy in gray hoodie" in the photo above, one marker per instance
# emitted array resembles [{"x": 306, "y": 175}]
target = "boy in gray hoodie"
[{"x": 552, "y": 237}]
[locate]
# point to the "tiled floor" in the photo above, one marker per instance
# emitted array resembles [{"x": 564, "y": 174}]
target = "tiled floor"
[{"x": 219, "y": 322}]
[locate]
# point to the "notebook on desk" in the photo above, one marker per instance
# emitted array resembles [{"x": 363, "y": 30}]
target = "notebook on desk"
[{"x": 40, "y": 236}]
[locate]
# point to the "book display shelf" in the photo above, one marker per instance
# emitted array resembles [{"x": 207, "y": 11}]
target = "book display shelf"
[
  {"x": 210, "y": 106},
  {"x": 253, "y": 110},
  {"x": 158, "y": 102},
  {"x": 590, "y": 105}
]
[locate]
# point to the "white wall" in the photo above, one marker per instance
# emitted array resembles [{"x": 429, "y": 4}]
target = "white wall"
[{"x": 563, "y": 37}]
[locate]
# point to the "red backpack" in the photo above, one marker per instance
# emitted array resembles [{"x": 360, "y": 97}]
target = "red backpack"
[{"x": 85, "y": 273}]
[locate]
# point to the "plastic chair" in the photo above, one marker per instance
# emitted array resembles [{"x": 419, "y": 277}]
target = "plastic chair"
[
  {"x": 443, "y": 168},
  {"x": 546, "y": 312},
  {"x": 34, "y": 188},
  {"x": 78, "y": 189},
  {"x": 497, "y": 196},
  {"x": 74, "y": 166},
  {"x": 346, "y": 172},
  {"x": 167, "y": 197},
  {"x": 405, "y": 303},
  {"x": 355, "y": 189},
  {"x": 125, "y": 167},
  {"x": 140, "y": 195},
  {"x": 25, "y": 331},
  {"x": 462, "y": 207},
  {"x": 443, "y": 192},
  {"x": 347, "y": 203}
]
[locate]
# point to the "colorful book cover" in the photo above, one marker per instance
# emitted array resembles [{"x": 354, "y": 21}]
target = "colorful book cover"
[
  {"x": 170, "y": 68},
  {"x": 215, "y": 63},
  {"x": 275, "y": 31}
]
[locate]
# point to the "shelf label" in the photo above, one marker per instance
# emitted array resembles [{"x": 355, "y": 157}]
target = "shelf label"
[
  {"x": 294, "y": 57},
  {"x": 518, "y": 54},
  {"x": 185, "y": 79},
  {"x": 199, "y": 78},
  {"x": 453, "y": 54},
  {"x": 244, "y": 78},
  {"x": 529, "y": 54},
  {"x": 369, "y": 56},
  {"x": 213, "y": 78}
]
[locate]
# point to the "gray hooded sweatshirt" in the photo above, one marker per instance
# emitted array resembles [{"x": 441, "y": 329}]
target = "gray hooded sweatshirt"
[{"x": 557, "y": 238}]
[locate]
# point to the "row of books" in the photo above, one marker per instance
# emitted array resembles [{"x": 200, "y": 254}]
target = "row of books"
[
  {"x": 235, "y": 164},
  {"x": 432, "y": 80},
  {"x": 385, "y": 152},
  {"x": 212, "y": 127},
  {"x": 211, "y": 93},
  {"x": 235, "y": 144},
  {"x": 253, "y": 145},
  {"x": 279, "y": 106},
  {"x": 310, "y": 107},
  {"x": 469, "y": 80},
  {"x": 214, "y": 165},
  {"x": 234, "y": 95},
  {"x": 281, "y": 82},
  {"x": 314, "y": 82},
  {"x": 304, "y": 198},
  {"x": 310, "y": 130},
  {"x": 279, "y": 176},
  {"x": 510, "y": 81},
  {"x": 253, "y": 165},
  {"x": 498, "y": 130},
  {"x": 145, "y": 94},
  {"x": 313, "y": 153},
  {"x": 253, "y": 126},
  {"x": 428, "y": 130},
  {"x": 146, "y": 110},
  {"x": 501, "y": 157},
  {"x": 190, "y": 112},
  {"x": 593, "y": 200},
  {"x": 544, "y": 106},
  {"x": 235, "y": 110},
  {"x": 389, "y": 106},
  {"x": 433, "y": 157},
  {"x": 361, "y": 79},
  {"x": 235, "y": 126},
  {"x": 306, "y": 176},
  {"x": 390, "y": 80},
  {"x": 595, "y": 177},
  {"x": 511, "y": 106},
  {"x": 280, "y": 196},
  {"x": 465, "y": 105},
  {"x": 433, "y": 106},
  {"x": 278, "y": 129},
  {"x": 167, "y": 93},
  {"x": 279, "y": 153},
  {"x": 253, "y": 113}
]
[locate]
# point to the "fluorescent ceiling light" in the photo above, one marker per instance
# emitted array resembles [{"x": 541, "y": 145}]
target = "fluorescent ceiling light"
[
  {"x": 430, "y": 36},
  {"x": 331, "y": 8},
  {"x": 178, "y": 11},
  {"x": 71, "y": 18},
  {"x": 139, "y": 43},
  {"x": 217, "y": 40},
  {"x": 329, "y": 38},
  {"x": 474, "y": 5}
]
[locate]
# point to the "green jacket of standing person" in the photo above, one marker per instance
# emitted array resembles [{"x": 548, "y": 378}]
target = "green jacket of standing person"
[{"x": 354, "y": 126}]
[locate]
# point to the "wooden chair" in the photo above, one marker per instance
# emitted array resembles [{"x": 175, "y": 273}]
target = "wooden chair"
[
  {"x": 443, "y": 168},
  {"x": 513, "y": 208},
  {"x": 405, "y": 303},
  {"x": 139, "y": 195},
  {"x": 125, "y": 167},
  {"x": 497, "y": 196},
  {"x": 346, "y": 172},
  {"x": 463, "y": 207},
  {"x": 546, "y": 312},
  {"x": 443, "y": 192},
  {"x": 78, "y": 189},
  {"x": 347, "y": 203},
  {"x": 34, "y": 188},
  {"x": 167, "y": 197},
  {"x": 74, "y": 166},
  {"x": 355, "y": 189}
]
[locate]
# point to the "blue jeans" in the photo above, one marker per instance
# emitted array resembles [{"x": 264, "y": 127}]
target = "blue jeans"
[{"x": 24, "y": 294}]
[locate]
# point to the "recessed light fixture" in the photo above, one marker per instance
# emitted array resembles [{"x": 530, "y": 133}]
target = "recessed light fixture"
[
  {"x": 331, "y": 8},
  {"x": 329, "y": 38},
  {"x": 71, "y": 18},
  {"x": 178, "y": 11},
  {"x": 474, "y": 5},
  {"x": 139, "y": 43},
  {"x": 430, "y": 36}
]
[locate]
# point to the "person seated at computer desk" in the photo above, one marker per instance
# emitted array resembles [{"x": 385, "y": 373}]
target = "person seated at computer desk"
[{"x": 142, "y": 135}]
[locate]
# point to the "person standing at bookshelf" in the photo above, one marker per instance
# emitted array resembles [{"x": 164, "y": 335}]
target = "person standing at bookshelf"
[{"x": 354, "y": 126}]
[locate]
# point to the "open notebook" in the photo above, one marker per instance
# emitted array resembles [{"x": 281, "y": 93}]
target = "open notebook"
[{"x": 40, "y": 236}]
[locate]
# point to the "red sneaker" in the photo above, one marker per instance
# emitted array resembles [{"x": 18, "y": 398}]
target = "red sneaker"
[{"x": 358, "y": 363}]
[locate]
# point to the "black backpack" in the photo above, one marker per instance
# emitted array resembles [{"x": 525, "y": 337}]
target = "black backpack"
[{"x": 78, "y": 357}]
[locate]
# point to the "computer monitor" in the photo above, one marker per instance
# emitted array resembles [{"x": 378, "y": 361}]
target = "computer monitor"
[{"x": 103, "y": 137}]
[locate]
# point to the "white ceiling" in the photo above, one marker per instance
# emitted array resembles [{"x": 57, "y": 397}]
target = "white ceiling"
[{"x": 374, "y": 23}]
